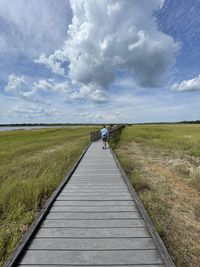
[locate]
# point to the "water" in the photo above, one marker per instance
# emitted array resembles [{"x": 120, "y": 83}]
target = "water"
[{"x": 12, "y": 128}]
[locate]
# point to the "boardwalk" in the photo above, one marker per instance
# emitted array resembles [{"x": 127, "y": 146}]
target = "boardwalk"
[{"x": 94, "y": 221}]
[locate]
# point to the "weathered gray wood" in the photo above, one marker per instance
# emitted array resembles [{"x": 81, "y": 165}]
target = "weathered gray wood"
[
  {"x": 93, "y": 216},
  {"x": 93, "y": 194},
  {"x": 98, "y": 166},
  {"x": 105, "y": 172},
  {"x": 99, "y": 183},
  {"x": 93, "y": 233},
  {"x": 92, "y": 257},
  {"x": 124, "y": 265},
  {"x": 98, "y": 176},
  {"x": 96, "y": 183},
  {"x": 93, "y": 203},
  {"x": 95, "y": 190},
  {"x": 93, "y": 223},
  {"x": 91, "y": 191},
  {"x": 52, "y": 265},
  {"x": 97, "y": 179},
  {"x": 115, "y": 198},
  {"x": 92, "y": 244},
  {"x": 95, "y": 186},
  {"x": 100, "y": 169},
  {"x": 93, "y": 209}
]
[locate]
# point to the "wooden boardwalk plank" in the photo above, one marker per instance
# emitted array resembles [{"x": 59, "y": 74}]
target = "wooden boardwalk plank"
[
  {"x": 94, "y": 190},
  {"x": 92, "y": 257},
  {"x": 95, "y": 198},
  {"x": 93, "y": 203},
  {"x": 94, "y": 221},
  {"x": 122, "y": 265},
  {"x": 94, "y": 209},
  {"x": 93, "y": 216},
  {"x": 93, "y": 233},
  {"x": 92, "y": 244}
]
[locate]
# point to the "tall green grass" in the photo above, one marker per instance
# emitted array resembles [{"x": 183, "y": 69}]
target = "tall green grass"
[
  {"x": 177, "y": 137},
  {"x": 32, "y": 164}
]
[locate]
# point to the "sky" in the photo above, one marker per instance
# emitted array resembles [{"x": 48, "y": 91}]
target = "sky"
[{"x": 102, "y": 61}]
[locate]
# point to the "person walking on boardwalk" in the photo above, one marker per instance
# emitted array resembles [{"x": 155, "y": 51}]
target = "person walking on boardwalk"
[{"x": 104, "y": 136}]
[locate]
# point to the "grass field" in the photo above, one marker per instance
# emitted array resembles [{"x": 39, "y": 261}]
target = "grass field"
[
  {"x": 32, "y": 164},
  {"x": 163, "y": 164},
  {"x": 184, "y": 137}
]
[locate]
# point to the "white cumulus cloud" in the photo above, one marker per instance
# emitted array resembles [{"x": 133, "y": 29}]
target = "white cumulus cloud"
[
  {"x": 53, "y": 62},
  {"x": 91, "y": 92},
  {"x": 19, "y": 86},
  {"x": 187, "y": 85},
  {"x": 83, "y": 93},
  {"x": 16, "y": 86},
  {"x": 50, "y": 85},
  {"x": 107, "y": 36}
]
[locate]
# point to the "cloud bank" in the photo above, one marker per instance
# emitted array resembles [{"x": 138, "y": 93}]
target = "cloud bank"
[
  {"x": 106, "y": 37},
  {"x": 19, "y": 86},
  {"x": 34, "y": 111},
  {"x": 34, "y": 92},
  {"x": 93, "y": 117}
]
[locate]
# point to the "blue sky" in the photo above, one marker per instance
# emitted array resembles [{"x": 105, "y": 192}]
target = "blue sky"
[{"x": 99, "y": 61}]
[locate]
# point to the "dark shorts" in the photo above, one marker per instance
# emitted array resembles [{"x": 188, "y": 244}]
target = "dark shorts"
[{"x": 105, "y": 139}]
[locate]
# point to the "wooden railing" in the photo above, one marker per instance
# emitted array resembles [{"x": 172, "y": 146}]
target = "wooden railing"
[{"x": 95, "y": 135}]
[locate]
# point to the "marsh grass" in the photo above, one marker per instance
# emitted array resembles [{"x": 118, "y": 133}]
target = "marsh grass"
[
  {"x": 179, "y": 137},
  {"x": 185, "y": 139},
  {"x": 33, "y": 163}
]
